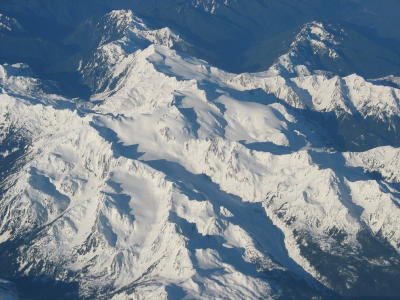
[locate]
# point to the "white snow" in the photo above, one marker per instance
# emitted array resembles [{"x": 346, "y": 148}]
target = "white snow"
[
  {"x": 156, "y": 186},
  {"x": 9, "y": 24}
]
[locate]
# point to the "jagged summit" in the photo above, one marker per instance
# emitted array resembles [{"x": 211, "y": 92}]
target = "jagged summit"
[
  {"x": 314, "y": 43},
  {"x": 299, "y": 77},
  {"x": 120, "y": 34},
  {"x": 124, "y": 24}
]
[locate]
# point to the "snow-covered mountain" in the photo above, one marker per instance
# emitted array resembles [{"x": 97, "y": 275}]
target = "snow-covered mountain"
[
  {"x": 178, "y": 180},
  {"x": 115, "y": 37},
  {"x": 239, "y": 36},
  {"x": 362, "y": 113}
]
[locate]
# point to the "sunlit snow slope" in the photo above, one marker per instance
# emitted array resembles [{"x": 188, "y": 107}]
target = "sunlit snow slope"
[{"x": 177, "y": 180}]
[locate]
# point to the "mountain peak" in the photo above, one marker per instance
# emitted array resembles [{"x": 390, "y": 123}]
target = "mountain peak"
[
  {"x": 175, "y": 179},
  {"x": 313, "y": 46},
  {"x": 119, "y": 35}
]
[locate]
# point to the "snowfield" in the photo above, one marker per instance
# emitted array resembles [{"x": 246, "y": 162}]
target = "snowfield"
[{"x": 177, "y": 180}]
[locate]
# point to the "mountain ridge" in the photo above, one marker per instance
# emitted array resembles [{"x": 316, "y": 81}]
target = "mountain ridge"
[{"x": 178, "y": 179}]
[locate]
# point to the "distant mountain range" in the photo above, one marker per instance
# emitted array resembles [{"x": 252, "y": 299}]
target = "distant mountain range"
[{"x": 237, "y": 36}]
